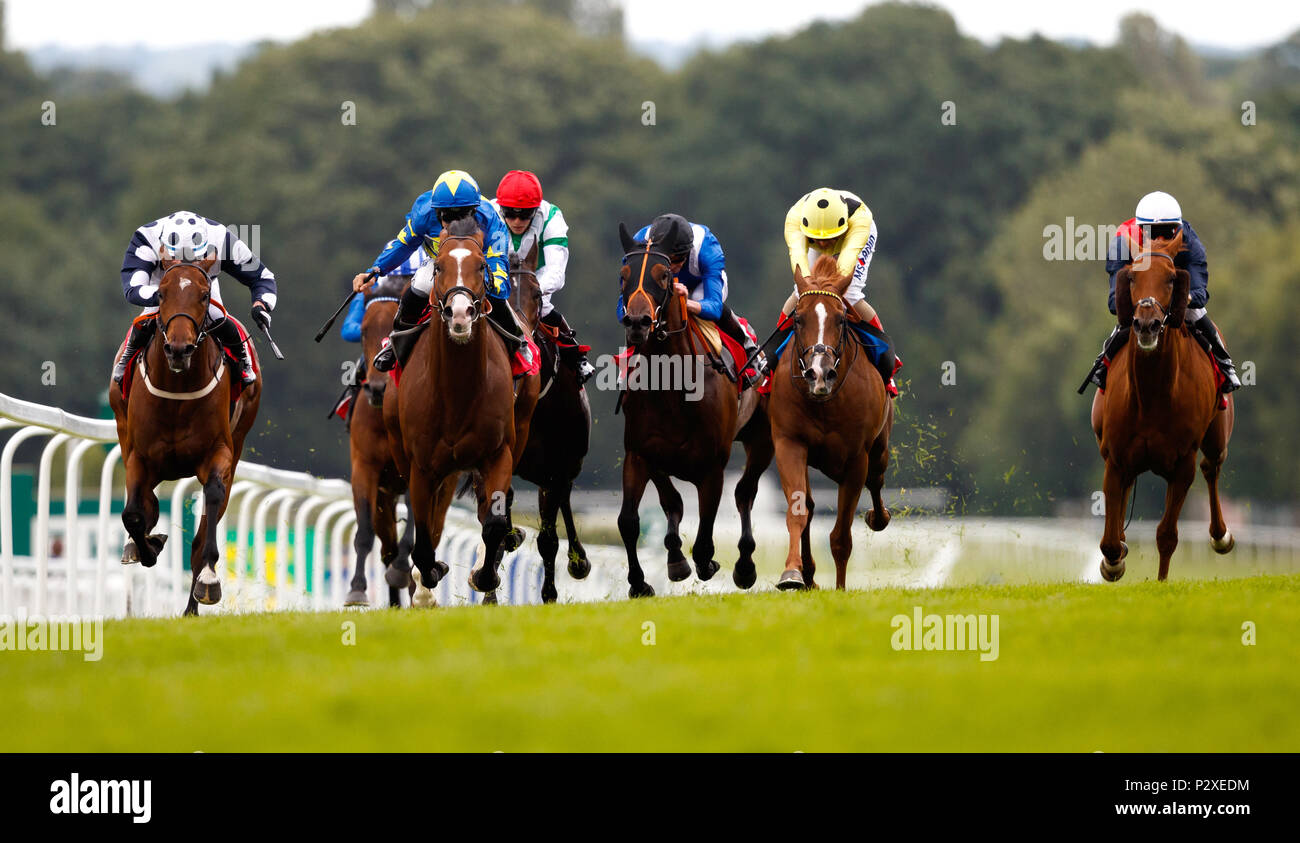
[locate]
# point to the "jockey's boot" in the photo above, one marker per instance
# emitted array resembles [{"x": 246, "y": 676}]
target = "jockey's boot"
[
  {"x": 767, "y": 355},
  {"x": 513, "y": 331},
  {"x": 1109, "y": 349},
  {"x": 728, "y": 322},
  {"x": 400, "y": 341},
  {"x": 1205, "y": 326},
  {"x": 568, "y": 347},
  {"x": 141, "y": 331},
  {"x": 227, "y": 333}
]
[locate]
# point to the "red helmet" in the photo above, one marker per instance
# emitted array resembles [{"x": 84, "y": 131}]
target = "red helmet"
[{"x": 519, "y": 189}]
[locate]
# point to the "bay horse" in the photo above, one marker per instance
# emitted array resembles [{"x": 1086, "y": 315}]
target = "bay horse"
[
  {"x": 456, "y": 410},
  {"x": 1161, "y": 405},
  {"x": 376, "y": 482},
  {"x": 675, "y": 432},
  {"x": 178, "y": 422},
  {"x": 558, "y": 437},
  {"x": 830, "y": 411}
]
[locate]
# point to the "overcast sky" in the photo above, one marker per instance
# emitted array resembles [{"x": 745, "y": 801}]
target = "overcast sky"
[{"x": 84, "y": 23}]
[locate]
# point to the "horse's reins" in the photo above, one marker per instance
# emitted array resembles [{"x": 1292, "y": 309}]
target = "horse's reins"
[
  {"x": 657, "y": 308},
  {"x": 202, "y": 334},
  {"x": 1164, "y": 313},
  {"x": 476, "y": 299},
  {"x": 836, "y": 351}
]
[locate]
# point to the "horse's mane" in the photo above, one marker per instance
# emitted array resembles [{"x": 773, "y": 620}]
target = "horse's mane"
[{"x": 825, "y": 273}]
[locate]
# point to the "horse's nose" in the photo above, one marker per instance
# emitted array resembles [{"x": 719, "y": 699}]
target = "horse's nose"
[
  {"x": 809, "y": 375},
  {"x": 830, "y": 375},
  {"x": 642, "y": 322},
  {"x": 180, "y": 351}
]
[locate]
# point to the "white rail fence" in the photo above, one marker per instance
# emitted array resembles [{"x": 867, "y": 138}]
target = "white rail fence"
[{"x": 306, "y": 566}]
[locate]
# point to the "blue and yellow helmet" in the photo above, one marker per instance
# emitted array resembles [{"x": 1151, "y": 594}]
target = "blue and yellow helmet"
[{"x": 455, "y": 189}]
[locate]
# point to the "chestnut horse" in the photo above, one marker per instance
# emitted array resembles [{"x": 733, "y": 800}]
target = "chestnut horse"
[
  {"x": 455, "y": 409},
  {"x": 177, "y": 422},
  {"x": 1160, "y": 406},
  {"x": 376, "y": 482},
  {"x": 673, "y": 431},
  {"x": 558, "y": 436},
  {"x": 830, "y": 411}
]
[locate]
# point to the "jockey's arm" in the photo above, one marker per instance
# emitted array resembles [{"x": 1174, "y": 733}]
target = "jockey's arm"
[
  {"x": 496, "y": 247},
  {"x": 138, "y": 266},
  {"x": 1116, "y": 259},
  {"x": 555, "y": 250},
  {"x": 351, "y": 329},
  {"x": 1198, "y": 267},
  {"x": 713, "y": 266},
  {"x": 240, "y": 263},
  {"x": 795, "y": 240}
]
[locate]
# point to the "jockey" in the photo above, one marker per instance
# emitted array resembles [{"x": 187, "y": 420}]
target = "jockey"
[
  {"x": 184, "y": 235},
  {"x": 839, "y": 224},
  {"x": 454, "y": 196},
  {"x": 1157, "y": 220},
  {"x": 533, "y": 220},
  {"x": 699, "y": 273},
  {"x": 351, "y": 329}
]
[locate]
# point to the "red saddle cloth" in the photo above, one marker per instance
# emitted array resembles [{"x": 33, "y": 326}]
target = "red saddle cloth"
[
  {"x": 237, "y": 381},
  {"x": 1219, "y": 378},
  {"x": 518, "y": 368}
]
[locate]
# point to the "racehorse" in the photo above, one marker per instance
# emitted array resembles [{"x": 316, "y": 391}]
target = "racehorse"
[
  {"x": 558, "y": 436},
  {"x": 455, "y": 410},
  {"x": 376, "y": 482},
  {"x": 1160, "y": 405},
  {"x": 180, "y": 423},
  {"x": 831, "y": 413},
  {"x": 673, "y": 431}
]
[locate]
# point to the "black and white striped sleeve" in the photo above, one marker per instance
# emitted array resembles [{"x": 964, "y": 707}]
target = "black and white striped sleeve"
[
  {"x": 138, "y": 267},
  {"x": 240, "y": 263}
]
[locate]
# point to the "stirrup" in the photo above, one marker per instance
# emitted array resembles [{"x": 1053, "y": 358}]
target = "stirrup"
[{"x": 386, "y": 359}]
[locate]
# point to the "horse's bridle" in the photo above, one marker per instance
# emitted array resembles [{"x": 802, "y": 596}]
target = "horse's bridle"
[
  {"x": 657, "y": 308},
  {"x": 199, "y": 329},
  {"x": 836, "y": 351},
  {"x": 476, "y": 299},
  {"x": 1165, "y": 313}
]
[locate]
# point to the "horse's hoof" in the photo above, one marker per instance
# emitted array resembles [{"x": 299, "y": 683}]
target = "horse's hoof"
[
  {"x": 641, "y": 589},
  {"x": 512, "y": 540},
  {"x": 129, "y": 553},
  {"x": 549, "y": 594},
  {"x": 490, "y": 599},
  {"x": 678, "y": 569},
  {"x": 421, "y": 597},
  {"x": 1111, "y": 573},
  {"x": 878, "y": 522},
  {"x": 356, "y": 597},
  {"x": 791, "y": 580},
  {"x": 209, "y": 594},
  {"x": 397, "y": 577},
  {"x": 744, "y": 575},
  {"x": 579, "y": 567},
  {"x": 706, "y": 569},
  {"x": 484, "y": 579},
  {"x": 1225, "y": 544}
]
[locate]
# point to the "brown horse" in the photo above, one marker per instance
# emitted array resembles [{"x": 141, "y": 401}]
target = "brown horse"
[
  {"x": 829, "y": 411},
  {"x": 455, "y": 409},
  {"x": 376, "y": 483},
  {"x": 675, "y": 431},
  {"x": 178, "y": 423},
  {"x": 1160, "y": 406},
  {"x": 558, "y": 436}
]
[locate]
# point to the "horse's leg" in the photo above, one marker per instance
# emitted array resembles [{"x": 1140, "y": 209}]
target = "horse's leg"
[
  {"x": 196, "y": 549},
  {"x": 792, "y": 464},
  {"x": 548, "y": 541},
  {"x": 709, "y": 490},
  {"x": 1116, "y": 487},
  {"x": 216, "y": 494},
  {"x": 671, "y": 502},
  {"x": 758, "y": 456},
  {"x": 139, "y": 514},
  {"x": 1215, "y": 448},
  {"x": 1175, "y": 493},
  {"x": 805, "y": 538},
  {"x": 383, "y": 518},
  {"x": 579, "y": 567},
  {"x": 494, "y": 515},
  {"x": 420, "y": 510},
  {"x": 363, "y": 541},
  {"x": 635, "y": 475},
  {"x": 514, "y": 536},
  {"x": 877, "y": 462},
  {"x": 842, "y": 533}
]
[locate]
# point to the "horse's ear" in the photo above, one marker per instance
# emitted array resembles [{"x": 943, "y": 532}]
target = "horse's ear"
[
  {"x": 208, "y": 263},
  {"x": 1182, "y": 294},
  {"x": 842, "y": 284},
  {"x": 532, "y": 253},
  {"x": 514, "y": 262},
  {"x": 1124, "y": 296},
  {"x": 628, "y": 243},
  {"x": 165, "y": 264},
  {"x": 800, "y": 282}
]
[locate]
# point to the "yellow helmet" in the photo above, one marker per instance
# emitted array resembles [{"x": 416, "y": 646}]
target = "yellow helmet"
[{"x": 824, "y": 215}]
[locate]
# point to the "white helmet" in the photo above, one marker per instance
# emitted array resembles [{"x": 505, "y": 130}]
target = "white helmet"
[
  {"x": 184, "y": 236},
  {"x": 1159, "y": 207}
]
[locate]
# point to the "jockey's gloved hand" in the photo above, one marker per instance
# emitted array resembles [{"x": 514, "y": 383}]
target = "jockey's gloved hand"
[{"x": 261, "y": 315}]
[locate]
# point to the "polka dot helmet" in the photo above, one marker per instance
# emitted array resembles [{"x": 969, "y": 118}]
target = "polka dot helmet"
[{"x": 184, "y": 236}]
